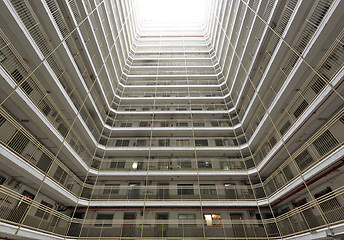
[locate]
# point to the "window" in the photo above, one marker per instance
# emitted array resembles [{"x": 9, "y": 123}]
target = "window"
[
  {"x": 219, "y": 143},
  {"x": 185, "y": 189},
  {"x": 161, "y": 216},
  {"x": 44, "y": 162},
  {"x": 120, "y": 164},
  {"x": 182, "y": 124},
  {"x": 341, "y": 120},
  {"x": 230, "y": 190},
  {"x": 182, "y": 142},
  {"x": 144, "y": 124},
  {"x": 215, "y": 124},
  {"x": 163, "y": 165},
  {"x": 137, "y": 166},
  {"x": 185, "y": 218},
  {"x": 111, "y": 188},
  {"x": 18, "y": 142},
  {"x": 229, "y": 123},
  {"x": 318, "y": 84},
  {"x": 63, "y": 130},
  {"x": 285, "y": 127},
  {"x": 213, "y": 220},
  {"x": 115, "y": 164},
  {"x": 60, "y": 175},
  {"x": 103, "y": 220},
  {"x": 201, "y": 143},
  {"x": 204, "y": 164},
  {"x": 95, "y": 164},
  {"x": 325, "y": 143},
  {"x": 235, "y": 142},
  {"x": 122, "y": 143},
  {"x": 198, "y": 124},
  {"x": 164, "y": 124},
  {"x": 103, "y": 141},
  {"x": 164, "y": 142},
  {"x": 208, "y": 190},
  {"x": 224, "y": 165},
  {"x": 304, "y": 159},
  {"x": 272, "y": 141},
  {"x": 45, "y": 108},
  {"x": 184, "y": 164},
  {"x": 44, "y": 210},
  {"x": 19, "y": 78},
  {"x": 73, "y": 144},
  {"x": 2, "y": 120},
  {"x": 301, "y": 108},
  {"x": 141, "y": 143},
  {"x": 2, "y": 180},
  {"x": 126, "y": 124},
  {"x": 2, "y": 57}
]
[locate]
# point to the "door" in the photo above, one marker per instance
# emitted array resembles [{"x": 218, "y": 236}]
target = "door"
[
  {"x": 238, "y": 228},
  {"x": 74, "y": 229},
  {"x": 134, "y": 191},
  {"x": 230, "y": 191},
  {"x": 128, "y": 228},
  {"x": 271, "y": 228},
  {"x": 163, "y": 191},
  {"x": 18, "y": 213},
  {"x": 308, "y": 215},
  {"x": 161, "y": 226}
]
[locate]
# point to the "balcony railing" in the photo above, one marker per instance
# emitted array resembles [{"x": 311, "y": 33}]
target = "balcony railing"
[
  {"x": 322, "y": 212},
  {"x": 172, "y": 94},
  {"x": 315, "y": 83},
  {"x": 309, "y": 92},
  {"x": 324, "y": 142},
  {"x": 181, "y": 123},
  {"x": 170, "y": 82},
  {"x": 181, "y": 72},
  {"x": 171, "y": 142},
  {"x": 49, "y": 52},
  {"x": 171, "y": 55},
  {"x": 176, "y": 63},
  {"x": 27, "y": 81},
  {"x": 132, "y": 164},
  {"x": 174, "y": 107}
]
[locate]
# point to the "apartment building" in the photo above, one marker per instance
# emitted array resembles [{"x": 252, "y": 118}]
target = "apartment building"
[{"x": 118, "y": 124}]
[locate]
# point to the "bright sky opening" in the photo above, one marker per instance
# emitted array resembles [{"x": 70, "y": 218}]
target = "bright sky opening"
[{"x": 172, "y": 11}]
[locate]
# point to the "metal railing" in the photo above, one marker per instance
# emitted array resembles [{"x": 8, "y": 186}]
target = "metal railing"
[
  {"x": 169, "y": 108},
  {"x": 316, "y": 214},
  {"x": 38, "y": 34},
  {"x": 171, "y": 123},
  {"x": 130, "y": 94},
  {"x": 325, "y": 141},
  {"x": 27, "y": 81}
]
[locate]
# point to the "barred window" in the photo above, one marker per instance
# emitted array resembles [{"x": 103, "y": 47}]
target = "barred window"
[{"x": 325, "y": 143}]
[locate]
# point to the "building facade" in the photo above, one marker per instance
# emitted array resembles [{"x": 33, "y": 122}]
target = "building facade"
[{"x": 117, "y": 128}]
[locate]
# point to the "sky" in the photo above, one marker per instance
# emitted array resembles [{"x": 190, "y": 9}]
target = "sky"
[{"x": 172, "y": 11}]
